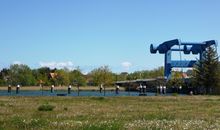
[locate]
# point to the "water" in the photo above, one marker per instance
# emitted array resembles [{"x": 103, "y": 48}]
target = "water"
[{"x": 73, "y": 93}]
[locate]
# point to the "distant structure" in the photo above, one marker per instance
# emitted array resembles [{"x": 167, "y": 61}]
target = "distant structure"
[
  {"x": 53, "y": 75},
  {"x": 167, "y": 47}
]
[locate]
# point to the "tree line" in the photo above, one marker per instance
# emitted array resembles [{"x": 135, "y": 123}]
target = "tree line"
[
  {"x": 23, "y": 75},
  {"x": 204, "y": 78}
]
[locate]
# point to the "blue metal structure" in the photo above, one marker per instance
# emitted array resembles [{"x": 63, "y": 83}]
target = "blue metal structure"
[{"x": 167, "y": 47}]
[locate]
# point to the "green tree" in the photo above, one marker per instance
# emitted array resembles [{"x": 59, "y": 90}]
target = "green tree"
[
  {"x": 176, "y": 81},
  {"x": 62, "y": 77},
  {"x": 21, "y": 74},
  {"x": 76, "y": 76},
  {"x": 121, "y": 77},
  {"x": 206, "y": 72},
  {"x": 158, "y": 72},
  {"x": 5, "y": 77},
  {"x": 102, "y": 75},
  {"x": 135, "y": 75},
  {"x": 42, "y": 75}
]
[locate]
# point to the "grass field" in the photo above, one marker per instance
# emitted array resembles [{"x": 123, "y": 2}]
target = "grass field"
[{"x": 98, "y": 113}]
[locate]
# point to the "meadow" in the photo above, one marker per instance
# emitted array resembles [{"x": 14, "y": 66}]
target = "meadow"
[{"x": 110, "y": 113}]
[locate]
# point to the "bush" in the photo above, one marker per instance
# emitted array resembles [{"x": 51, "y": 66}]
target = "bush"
[
  {"x": 18, "y": 122},
  {"x": 37, "y": 123},
  {"x": 46, "y": 107},
  {"x": 65, "y": 109},
  {"x": 175, "y": 94},
  {"x": 98, "y": 98}
]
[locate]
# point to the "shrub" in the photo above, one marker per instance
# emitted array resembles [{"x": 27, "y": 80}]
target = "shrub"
[
  {"x": 18, "y": 122},
  {"x": 46, "y": 107},
  {"x": 65, "y": 109},
  {"x": 98, "y": 98},
  {"x": 37, "y": 123},
  {"x": 175, "y": 94}
]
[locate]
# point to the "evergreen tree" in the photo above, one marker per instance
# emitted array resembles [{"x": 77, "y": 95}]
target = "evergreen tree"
[{"x": 206, "y": 72}]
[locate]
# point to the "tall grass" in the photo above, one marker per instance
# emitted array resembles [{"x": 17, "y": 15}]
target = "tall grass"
[{"x": 111, "y": 113}]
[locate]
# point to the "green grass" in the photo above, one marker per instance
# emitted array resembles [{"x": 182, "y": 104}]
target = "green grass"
[{"x": 110, "y": 113}]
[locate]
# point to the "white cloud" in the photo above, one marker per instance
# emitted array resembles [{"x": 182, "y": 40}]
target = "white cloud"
[
  {"x": 85, "y": 72},
  {"x": 126, "y": 65},
  {"x": 17, "y": 63},
  {"x": 58, "y": 65}
]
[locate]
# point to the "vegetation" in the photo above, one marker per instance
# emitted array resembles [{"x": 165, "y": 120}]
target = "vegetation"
[
  {"x": 158, "y": 72},
  {"x": 20, "y": 74},
  {"x": 77, "y": 77},
  {"x": 23, "y": 75},
  {"x": 46, "y": 107},
  {"x": 206, "y": 72},
  {"x": 176, "y": 81},
  {"x": 112, "y": 113},
  {"x": 102, "y": 75},
  {"x": 205, "y": 76}
]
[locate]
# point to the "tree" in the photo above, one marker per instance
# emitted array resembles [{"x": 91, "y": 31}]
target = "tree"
[
  {"x": 4, "y": 77},
  {"x": 42, "y": 75},
  {"x": 122, "y": 76},
  {"x": 206, "y": 71},
  {"x": 158, "y": 72},
  {"x": 76, "y": 76},
  {"x": 176, "y": 81},
  {"x": 135, "y": 75},
  {"x": 21, "y": 74},
  {"x": 62, "y": 77},
  {"x": 102, "y": 75}
]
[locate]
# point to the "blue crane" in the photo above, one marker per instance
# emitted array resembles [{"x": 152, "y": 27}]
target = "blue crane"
[{"x": 167, "y": 47}]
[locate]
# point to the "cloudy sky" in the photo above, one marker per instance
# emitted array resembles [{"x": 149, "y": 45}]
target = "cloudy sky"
[{"x": 92, "y": 33}]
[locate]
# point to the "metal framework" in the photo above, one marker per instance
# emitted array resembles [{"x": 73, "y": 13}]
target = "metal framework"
[{"x": 167, "y": 47}]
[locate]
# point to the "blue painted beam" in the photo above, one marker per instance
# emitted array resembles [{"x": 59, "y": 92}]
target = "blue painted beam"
[
  {"x": 206, "y": 43},
  {"x": 193, "y": 47},
  {"x": 184, "y": 64},
  {"x": 177, "y": 49}
]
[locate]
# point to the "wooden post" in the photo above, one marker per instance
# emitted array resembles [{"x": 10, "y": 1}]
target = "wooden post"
[
  {"x": 104, "y": 90},
  {"x": 129, "y": 89},
  {"x": 9, "y": 88},
  {"x": 17, "y": 89},
  {"x": 42, "y": 90},
  {"x": 117, "y": 89},
  {"x": 78, "y": 88},
  {"x": 69, "y": 89},
  {"x": 52, "y": 89}
]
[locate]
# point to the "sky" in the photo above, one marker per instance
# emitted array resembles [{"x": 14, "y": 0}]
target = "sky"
[{"x": 93, "y": 33}]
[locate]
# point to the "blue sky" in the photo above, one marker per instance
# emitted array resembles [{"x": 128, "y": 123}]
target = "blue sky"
[{"x": 92, "y": 33}]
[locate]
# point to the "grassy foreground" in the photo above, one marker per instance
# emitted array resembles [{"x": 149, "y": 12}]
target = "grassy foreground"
[{"x": 188, "y": 112}]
